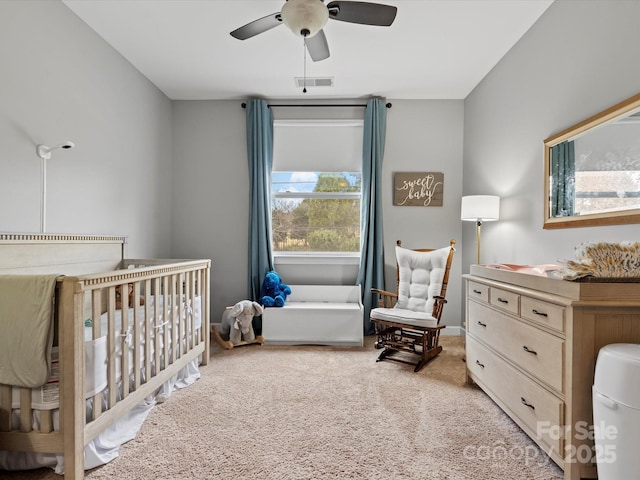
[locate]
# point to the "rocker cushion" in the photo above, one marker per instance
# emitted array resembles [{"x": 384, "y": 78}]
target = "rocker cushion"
[
  {"x": 407, "y": 317},
  {"x": 421, "y": 276}
]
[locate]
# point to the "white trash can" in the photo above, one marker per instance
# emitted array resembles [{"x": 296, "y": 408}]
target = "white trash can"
[{"x": 616, "y": 411}]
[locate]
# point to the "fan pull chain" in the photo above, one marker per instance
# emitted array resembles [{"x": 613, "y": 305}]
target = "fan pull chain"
[{"x": 304, "y": 78}]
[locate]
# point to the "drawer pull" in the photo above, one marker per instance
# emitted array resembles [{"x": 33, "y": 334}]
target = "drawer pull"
[
  {"x": 542, "y": 314},
  {"x": 527, "y": 404},
  {"x": 528, "y": 350},
  {"x": 479, "y": 364},
  {"x": 482, "y": 324},
  {"x": 502, "y": 300},
  {"x": 477, "y": 291}
]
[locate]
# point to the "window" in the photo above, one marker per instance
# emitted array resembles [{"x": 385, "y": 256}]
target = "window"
[
  {"x": 606, "y": 191},
  {"x": 315, "y": 185},
  {"x": 315, "y": 211}
]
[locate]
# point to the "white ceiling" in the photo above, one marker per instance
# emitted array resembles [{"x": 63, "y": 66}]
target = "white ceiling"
[{"x": 435, "y": 49}]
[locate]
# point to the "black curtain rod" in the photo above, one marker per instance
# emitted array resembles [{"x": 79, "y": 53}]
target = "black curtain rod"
[{"x": 388, "y": 105}]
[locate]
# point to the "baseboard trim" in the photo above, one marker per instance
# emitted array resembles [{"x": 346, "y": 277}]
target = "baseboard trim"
[
  {"x": 448, "y": 331},
  {"x": 452, "y": 331}
]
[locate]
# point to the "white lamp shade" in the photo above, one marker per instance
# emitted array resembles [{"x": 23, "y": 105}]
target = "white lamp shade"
[
  {"x": 483, "y": 208},
  {"x": 300, "y": 15}
]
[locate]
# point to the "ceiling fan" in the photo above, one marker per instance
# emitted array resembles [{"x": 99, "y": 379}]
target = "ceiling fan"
[{"x": 306, "y": 18}]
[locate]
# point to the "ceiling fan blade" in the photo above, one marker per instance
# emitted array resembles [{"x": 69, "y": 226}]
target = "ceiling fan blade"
[
  {"x": 317, "y": 46},
  {"x": 257, "y": 26},
  {"x": 364, "y": 13}
]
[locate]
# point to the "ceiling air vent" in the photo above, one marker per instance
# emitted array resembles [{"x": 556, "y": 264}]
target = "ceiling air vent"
[{"x": 314, "y": 82}]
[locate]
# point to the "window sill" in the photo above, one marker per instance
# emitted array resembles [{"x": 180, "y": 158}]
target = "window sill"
[{"x": 284, "y": 258}]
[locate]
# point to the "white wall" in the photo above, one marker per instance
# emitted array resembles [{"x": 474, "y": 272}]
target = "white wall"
[
  {"x": 60, "y": 81},
  {"x": 578, "y": 59}
]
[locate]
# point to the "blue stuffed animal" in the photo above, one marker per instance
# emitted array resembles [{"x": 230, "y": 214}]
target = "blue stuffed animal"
[{"x": 274, "y": 292}]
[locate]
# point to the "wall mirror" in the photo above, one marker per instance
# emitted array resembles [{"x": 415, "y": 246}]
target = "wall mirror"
[{"x": 592, "y": 170}]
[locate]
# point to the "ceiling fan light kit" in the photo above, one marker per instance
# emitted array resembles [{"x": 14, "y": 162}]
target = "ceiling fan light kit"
[
  {"x": 304, "y": 18},
  {"x": 307, "y": 18}
]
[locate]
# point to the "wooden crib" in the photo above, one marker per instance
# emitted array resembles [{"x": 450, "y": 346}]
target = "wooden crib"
[{"x": 155, "y": 340}]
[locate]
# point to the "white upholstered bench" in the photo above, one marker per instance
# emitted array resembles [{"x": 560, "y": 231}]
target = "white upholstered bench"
[{"x": 316, "y": 314}]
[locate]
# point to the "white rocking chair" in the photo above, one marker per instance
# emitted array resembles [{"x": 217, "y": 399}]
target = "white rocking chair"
[{"x": 408, "y": 321}]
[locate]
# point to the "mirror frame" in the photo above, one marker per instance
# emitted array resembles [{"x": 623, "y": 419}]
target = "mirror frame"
[{"x": 596, "y": 219}]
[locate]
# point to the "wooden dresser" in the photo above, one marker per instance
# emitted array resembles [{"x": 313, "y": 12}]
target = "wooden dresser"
[{"x": 532, "y": 344}]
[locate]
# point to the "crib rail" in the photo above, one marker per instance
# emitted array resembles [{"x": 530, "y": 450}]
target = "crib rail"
[{"x": 150, "y": 319}]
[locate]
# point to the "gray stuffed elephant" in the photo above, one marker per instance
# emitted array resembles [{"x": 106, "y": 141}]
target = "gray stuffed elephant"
[{"x": 238, "y": 324}]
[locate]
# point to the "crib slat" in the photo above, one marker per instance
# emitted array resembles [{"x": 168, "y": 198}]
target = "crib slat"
[
  {"x": 190, "y": 309},
  {"x": 122, "y": 338},
  {"x": 192, "y": 320},
  {"x": 173, "y": 316},
  {"x": 177, "y": 335},
  {"x": 96, "y": 312},
  {"x": 137, "y": 310},
  {"x": 46, "y": 421},
  {"x": 197, "y": 284},
  {"x": 25, "y": 410},
  {"x": 175, "y": 301},
  {"x": 157, "y": 324},
  {"x": 177, "y": 318},
  {"x": 148, "y": 322},
  {"x": 166, "y": 318},
  {"x": 111, "y": 347},
  {"x": 197, "y": 281},
  {"x": 5, "y": 408},
  {"x": 201, "y": 286}
]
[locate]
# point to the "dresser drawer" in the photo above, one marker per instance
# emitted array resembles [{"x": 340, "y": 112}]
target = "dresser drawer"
[
  {"x": 541, "y": 312},
  {"x": 538, "y": 352},
  {"x": 478, "y": 291},
  {"x": 533, "y": 405},
  {"x": 505, "y": 300}
]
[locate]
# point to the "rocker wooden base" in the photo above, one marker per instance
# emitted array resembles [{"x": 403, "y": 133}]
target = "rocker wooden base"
[
  {"x": 227, "y": 345},
  {"x": 425, "y": 357},
  {"x": 414, "y": 342}
]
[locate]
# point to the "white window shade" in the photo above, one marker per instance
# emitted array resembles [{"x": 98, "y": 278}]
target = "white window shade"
[{"x": 317, "y": 145}]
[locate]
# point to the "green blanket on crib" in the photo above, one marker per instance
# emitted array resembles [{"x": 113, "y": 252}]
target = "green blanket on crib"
[{"x": 26, "y": 329}]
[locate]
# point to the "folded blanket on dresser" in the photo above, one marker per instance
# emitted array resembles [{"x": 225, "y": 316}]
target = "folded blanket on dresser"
[{"x": 26, "y": 328}]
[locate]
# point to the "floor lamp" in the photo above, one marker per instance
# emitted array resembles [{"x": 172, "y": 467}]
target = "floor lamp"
[{"x": 480, "y": 208}]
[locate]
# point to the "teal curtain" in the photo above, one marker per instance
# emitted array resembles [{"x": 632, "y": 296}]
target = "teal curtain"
[
  {"x": 563, "y": 179},
  {"x": 260, "y": 156},
  {"x": 371, "y": 272}
]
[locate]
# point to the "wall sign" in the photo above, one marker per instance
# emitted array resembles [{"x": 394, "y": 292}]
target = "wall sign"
[{"x": 422, "y": 189}]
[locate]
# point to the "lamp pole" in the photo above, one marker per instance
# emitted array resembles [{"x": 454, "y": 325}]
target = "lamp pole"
[{"x": 478, "y": 227}]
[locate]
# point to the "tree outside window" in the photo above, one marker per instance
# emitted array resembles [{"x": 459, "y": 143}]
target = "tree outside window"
[{"x": 316, "y": 211}]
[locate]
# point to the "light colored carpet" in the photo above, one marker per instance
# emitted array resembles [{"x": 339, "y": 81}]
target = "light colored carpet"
[{"x": 311, "y": 412}]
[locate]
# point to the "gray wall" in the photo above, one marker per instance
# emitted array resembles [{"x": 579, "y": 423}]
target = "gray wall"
[
  {"x": 425, "y": 136},
  {"x": 60, "y": 81},
  {"x": 578, "y": 59},
  {"x": 211, "y": 201},
  {"x": 172, "y": 176},
  {"x": 210, "y": 216}
]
